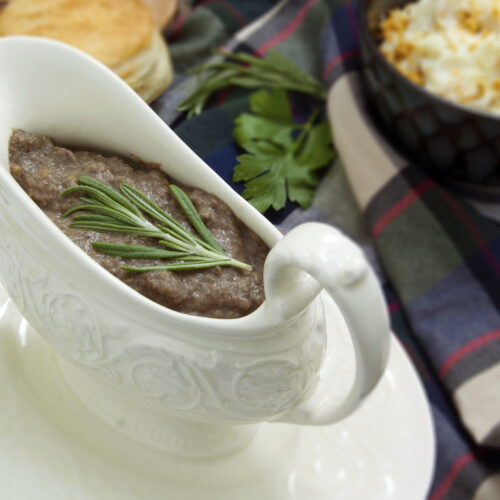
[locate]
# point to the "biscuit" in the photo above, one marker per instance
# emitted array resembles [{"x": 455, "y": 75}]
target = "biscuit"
[
  {"x": 163, "y": 11},
  {"x": 121, "y": 34}
]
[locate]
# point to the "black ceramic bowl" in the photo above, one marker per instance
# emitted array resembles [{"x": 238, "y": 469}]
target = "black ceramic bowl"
[{"x": 447, "y": 139}]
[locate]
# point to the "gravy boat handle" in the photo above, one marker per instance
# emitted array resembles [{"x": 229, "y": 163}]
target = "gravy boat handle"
[{"x": 309, "y": 258}]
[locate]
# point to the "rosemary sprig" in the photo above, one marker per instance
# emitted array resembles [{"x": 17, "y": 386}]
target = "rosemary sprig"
[
  {"x": 110, "y": 211},
  {"x": 244, "y": 70}
]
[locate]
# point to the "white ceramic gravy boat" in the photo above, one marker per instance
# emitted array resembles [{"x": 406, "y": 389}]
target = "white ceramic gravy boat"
[{"x": 267, "y": 366}]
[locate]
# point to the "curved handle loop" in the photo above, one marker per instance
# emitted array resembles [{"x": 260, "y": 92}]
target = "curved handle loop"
[{"x": 315, "y": 256}]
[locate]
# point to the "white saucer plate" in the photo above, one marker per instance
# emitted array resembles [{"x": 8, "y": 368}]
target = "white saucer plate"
[{"x": 53, "y": 447}]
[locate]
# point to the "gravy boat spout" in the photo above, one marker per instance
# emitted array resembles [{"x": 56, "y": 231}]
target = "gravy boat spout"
[{"x": 267, "y": 366}]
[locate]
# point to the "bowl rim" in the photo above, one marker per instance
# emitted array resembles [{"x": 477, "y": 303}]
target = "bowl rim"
[{"x": 367, "y": 38}]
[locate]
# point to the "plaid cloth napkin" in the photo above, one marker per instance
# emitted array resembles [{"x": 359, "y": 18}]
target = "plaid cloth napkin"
[{"x": 438, "y": 257}]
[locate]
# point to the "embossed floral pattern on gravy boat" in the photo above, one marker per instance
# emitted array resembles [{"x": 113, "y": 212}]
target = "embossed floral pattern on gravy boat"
[{"x": 261, "y": 367}]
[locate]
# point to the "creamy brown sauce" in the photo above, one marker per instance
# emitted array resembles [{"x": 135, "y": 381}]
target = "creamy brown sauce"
[{"x": 44, "y": 169}]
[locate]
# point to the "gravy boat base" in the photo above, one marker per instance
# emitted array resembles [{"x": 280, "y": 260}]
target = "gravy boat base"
[{"x": 197, "y": 439}]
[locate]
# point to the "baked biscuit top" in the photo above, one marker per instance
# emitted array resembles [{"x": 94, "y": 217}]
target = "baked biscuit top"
[{"x": 109, "y": 30}]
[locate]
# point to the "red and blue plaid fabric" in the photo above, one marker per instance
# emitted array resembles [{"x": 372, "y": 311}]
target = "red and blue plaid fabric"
[{"x": 440, "y": 258}]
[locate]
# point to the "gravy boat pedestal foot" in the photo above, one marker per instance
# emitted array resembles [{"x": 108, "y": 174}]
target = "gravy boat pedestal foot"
[{"x": 147, "y": 426}]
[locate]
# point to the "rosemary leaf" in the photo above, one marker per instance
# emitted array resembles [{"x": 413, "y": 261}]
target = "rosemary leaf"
[
  {"x": 151, "y": 208},
  {"x": 102, "y": 197},
  {"x": 90, "y": 201},
  {"x": 109, "y": 211},
  {"x": 135, "y": 251},
  {"x": 92, "y": 218},
  {"x": 105, "y": 227},
  {"x": 110, "y": 192},
  {"x": 120, "y": 215},
  {"x": 194, "y": 217},
  {"x": 244, "y": 70},
  {"x": 176, "y": 246},
  {"x": 179, "y": 266}
]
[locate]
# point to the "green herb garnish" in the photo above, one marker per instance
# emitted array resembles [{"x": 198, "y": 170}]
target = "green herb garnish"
[
  {"x": 283, "y": 158},
  {"x": 244, "y": 70},
  {"x": 122, "y": 212}
]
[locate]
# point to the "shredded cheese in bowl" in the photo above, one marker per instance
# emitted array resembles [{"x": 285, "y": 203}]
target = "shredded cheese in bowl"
[{"x": 449, "y": 47}]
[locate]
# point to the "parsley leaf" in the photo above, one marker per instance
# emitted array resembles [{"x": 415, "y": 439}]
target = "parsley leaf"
[{"x": 282, "y": 158}]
